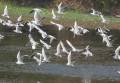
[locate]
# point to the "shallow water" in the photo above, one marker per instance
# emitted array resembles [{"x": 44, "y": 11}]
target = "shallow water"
[{"x": 101, "y": 68}]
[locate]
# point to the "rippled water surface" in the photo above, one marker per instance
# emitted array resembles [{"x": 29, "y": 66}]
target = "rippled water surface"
[{"x": 101, "y": 68}]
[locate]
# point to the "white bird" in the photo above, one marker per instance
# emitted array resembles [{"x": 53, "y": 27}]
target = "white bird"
[
  {"x": 38, "y": 82},
  {"x": 60, "y": 8},
  {"x": 78, "y": 30},
  {"x": 117, "y": 53},
  {"x": 54, "y": 16},
  {"x": 103, "y": 20},
  {"x": 95, "y": 13},
  {"x": 58, "y": 49},
  {"x": 9, "y": 23},
  {"x": 87, "y": 52},
  {"x": 36, "y": 22},
  {"x": 69, "y": 61},
  {"x": 43, "y": 33},
  {"x": 1, "y": 36},
  {"x": 73, "y": 48},
  {"x": 47, "y": 46},
  {"x": 106, "y": 39},
  {"x": 75, "y": 24},
  {"x": 18, "y": 29},
  {"x": 82, "y": 30},
  {"x": 45, "y": 58},
  {"x": 37, "y": 12},
  {"x": 33, "y": 42},
  {"x": 1, "y": 21},
  {"x": 31, "y": 26},
  {"x": 118, "y": 72},
  {"x": 63, "y": 47},
  {"x": 86, "y": 80},
  {"x": 51, "y": 38},
  {"x": 20, "y": 58},
  {"x": 38, "y": 60},
  {"x": 19, "y": 19},
  {"x": 72, "y": 29},
  {"x": 85, "y": 31},
  {"x": 102, "y": 31},
  {"x": 60, "y": 27},
  {"x": 5, "y": 13}
]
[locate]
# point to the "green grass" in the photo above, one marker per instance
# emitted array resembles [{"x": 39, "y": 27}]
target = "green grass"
[{"x": 69, "y": 15}]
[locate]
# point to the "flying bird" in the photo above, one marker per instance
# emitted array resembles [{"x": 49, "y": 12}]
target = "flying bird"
[
  {"x": 87, "y": 52},
  {"x": 63, "y": 47},
  {"x": 78, "y": 30},
  {"x": 73, "y": 48},
  {"x": 5, "y": 13},
  {"x": 2, "y": 21},
  {"x": 43, "y": 33},
  {"x": 94, "y": 12},
  {"x": 60, "y": 8},
  {"x": 54, "y": 16},
  {"x": 31, "y": 26},
  {"x": 20, "y": 58},
  {"x": 38, "y": 59},
  {"x": 19, "y": 19},
  {"x": 51, "y": 38},
  {"x": 47, "y": 46},
  {"x": 45, "y": 58},
  {"x": 69, "y": 61},
  {"x": 105, "y": 38},
  {"x": 58, "y": 49},
  {"x": 18, "y": 29},
  {"x": 34, "y": 44},
  {"x": 60, "y": 27},
  {"x": 103, "y": 20},
  {"x": 9, "y": 23},
  {"x": 117, "y": 53},
  {"x": 37, "y": 16},
  {"x": 1, "y": 36}
]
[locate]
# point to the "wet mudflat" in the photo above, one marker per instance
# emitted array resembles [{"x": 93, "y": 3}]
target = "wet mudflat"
[{"x": 100, "y": 68}]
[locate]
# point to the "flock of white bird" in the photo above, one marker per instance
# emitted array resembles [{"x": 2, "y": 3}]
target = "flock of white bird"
[{"x": 41, "y": 57}]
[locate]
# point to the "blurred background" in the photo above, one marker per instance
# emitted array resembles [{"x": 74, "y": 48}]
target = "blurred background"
[{"x": 110, "y": 7}]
